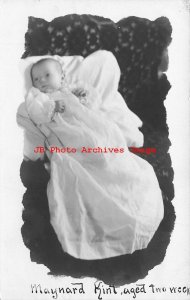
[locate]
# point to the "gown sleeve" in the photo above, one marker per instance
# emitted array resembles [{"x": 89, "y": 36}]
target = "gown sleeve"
[
  {"x": 101, "y": 71},
  {"x": 39, "y": 106},
  {"x": 33, "y": 137}
]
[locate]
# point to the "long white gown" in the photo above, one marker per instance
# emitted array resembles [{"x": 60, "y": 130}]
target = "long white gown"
[{"x": 101, "y": 204}]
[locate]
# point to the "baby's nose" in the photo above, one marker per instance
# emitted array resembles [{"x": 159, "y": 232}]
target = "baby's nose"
[{"x": 42, "y": 79}]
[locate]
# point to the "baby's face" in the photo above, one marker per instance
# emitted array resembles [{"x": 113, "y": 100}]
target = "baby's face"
[{"x": 46, "y": 76}]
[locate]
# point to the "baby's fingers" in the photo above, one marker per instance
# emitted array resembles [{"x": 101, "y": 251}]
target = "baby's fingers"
[
  {"x": 62, "y": 108},
  {"x": 59, "y": 106}
]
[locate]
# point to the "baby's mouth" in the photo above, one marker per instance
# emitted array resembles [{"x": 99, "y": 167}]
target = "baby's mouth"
[{"x": 45, "y": 88}]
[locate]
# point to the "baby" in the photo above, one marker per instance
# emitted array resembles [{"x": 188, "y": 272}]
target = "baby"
[{"x": 49, "y": 83}]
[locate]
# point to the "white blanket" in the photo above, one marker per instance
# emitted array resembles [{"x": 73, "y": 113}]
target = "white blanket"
[{"x": 101, "y": 204}]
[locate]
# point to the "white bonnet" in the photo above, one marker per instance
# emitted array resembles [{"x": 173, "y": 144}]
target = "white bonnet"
[{"x": 69, "y": 65}]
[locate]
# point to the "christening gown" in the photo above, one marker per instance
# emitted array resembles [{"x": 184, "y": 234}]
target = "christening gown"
[{"x": 102, "y": 204}]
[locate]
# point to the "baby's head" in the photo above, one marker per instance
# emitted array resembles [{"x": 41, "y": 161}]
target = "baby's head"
[{"x": 47, "y": 75}]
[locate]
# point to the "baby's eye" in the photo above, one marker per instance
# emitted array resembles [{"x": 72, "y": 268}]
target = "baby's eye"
[
  {"x": 36, "y": 79},
  {"x": 47, "y": 75}
]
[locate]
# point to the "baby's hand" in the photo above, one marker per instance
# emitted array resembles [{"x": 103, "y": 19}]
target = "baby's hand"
[
  {"x": 59, "y": 106},
  {"x": 83, "y": 101},
  {"x": 80, "y": 92}
]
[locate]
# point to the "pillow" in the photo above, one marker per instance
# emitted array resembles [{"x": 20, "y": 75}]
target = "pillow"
[{"x": 69, "y": 65}]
